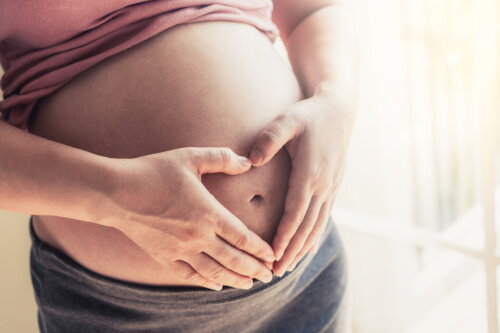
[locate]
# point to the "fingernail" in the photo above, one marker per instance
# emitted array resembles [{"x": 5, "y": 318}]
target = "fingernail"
[
  {"x": 279, "y": 272},
  {"x": 291, "y": 267},
  {"x": 248, "y": 284},
  {"x": 217, "y": 287},
  {"x": 267, "y": 277},
  {"x": 280, "y": 254},
  {"x": 245, "y": 161},
  {"x": 256, "y": 157}
]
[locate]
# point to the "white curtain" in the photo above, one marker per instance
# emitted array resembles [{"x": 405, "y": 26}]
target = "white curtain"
[{"x": 428, "y": 80}]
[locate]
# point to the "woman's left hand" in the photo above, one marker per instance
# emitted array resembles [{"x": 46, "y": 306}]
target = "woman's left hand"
[{"x": 315, "y": 132}]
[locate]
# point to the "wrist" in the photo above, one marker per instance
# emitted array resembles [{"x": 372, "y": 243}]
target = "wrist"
[
  {"x": 341, "y": 102},
  {"x": 118, "y": 191},
  {"x": 100, "y": 205}
]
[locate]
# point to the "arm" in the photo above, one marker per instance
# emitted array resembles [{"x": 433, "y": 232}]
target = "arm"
[
  {"x": 136, "y": 196},
  {"x": 315, "y": 131},
  {"x": 43, "y": 177},
  {"x": 319, "y": 40}
]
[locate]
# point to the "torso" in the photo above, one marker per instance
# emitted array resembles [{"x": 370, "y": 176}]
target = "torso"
[{"x": 203, "y": 84}]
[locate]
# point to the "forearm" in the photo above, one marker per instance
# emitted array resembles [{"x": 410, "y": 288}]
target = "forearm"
[
  {"x": 321, "y": 51},
  {"x": 43, "y": 177}
]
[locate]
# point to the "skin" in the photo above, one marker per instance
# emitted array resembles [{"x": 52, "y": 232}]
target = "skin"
[
  {"x": 98, "y": 181},
  {"x": 151, "y": 100},
  {"x": 205, "y": 223},
  {"x": 314, "y": 131}
]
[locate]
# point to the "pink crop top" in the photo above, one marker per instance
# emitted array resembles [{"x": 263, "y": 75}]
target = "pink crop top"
[{"x": 43, "y": 44}]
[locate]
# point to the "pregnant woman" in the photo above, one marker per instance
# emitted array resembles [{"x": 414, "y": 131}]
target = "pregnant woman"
[{"x": 172, "y": 161}]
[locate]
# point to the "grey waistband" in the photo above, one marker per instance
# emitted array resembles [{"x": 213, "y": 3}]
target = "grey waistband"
[
  {"x": 58, "y": 262},
  {"x": 72, "y": 298}
]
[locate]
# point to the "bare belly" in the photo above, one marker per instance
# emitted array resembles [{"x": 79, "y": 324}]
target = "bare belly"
[{"x": 202, "y": 84}]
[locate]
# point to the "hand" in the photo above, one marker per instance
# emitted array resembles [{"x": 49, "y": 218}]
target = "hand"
[
  {"x": 315, "y": 132},
  {"x": 162, "y": 205}
]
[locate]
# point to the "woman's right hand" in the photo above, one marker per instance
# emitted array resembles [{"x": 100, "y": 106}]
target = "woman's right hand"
[{"x": 161, "y": 204}]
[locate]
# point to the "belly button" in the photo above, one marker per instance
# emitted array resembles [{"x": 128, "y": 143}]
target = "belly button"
[{"x": 257, "y": 199}]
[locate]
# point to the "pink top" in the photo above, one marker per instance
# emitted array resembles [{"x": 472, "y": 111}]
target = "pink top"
[{"x": 43, "y": 44}]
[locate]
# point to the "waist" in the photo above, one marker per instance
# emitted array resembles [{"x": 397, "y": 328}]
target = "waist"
[
  {"x": 202, "y": 84},
  {"x": 47, "y": 262}
]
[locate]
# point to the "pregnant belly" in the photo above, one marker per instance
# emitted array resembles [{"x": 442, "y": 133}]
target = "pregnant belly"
[{"x": 205, "y": 84}]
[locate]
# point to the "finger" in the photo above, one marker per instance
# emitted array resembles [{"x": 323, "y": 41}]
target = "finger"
[
  {"x": 215, "y": 272},
  {"x": 315, "y": 243},
  {"x": 308, "y": 240},
  {"x": 238, "y": 261},
  {"x": 213, "y": 160},
  {"x": 268, "y": 265},
  {"x": 273, "y": 137},
  {"x": 298, "y": 240},
  {"x": 314, "y": 236},
  {"x": 319, "y": 233},
  {"x": 188, "y": 273},
  {"x": 297, "y": 202},
  {"x": 236, "y": 233},
  {"x": 314, "y": 247}
]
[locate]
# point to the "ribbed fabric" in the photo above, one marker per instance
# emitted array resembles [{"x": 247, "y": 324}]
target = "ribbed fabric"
[
  {"x": 309, "y": 299},
  {"x": 45, "y": 43}
]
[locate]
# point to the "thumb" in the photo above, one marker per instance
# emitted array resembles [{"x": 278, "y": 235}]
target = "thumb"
[
  {"x": 283, "y": 129},
  {"x": 219, "y": 159}
]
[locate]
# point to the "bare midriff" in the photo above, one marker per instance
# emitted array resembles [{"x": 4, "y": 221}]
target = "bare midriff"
[{"x": 210, "y": 84}]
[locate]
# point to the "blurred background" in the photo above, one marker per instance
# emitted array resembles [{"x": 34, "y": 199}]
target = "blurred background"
[
  {"x": 417, "y": 205},
  {"x": 418, "y": 209}
]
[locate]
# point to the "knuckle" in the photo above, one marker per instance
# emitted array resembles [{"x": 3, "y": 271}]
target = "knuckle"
[
  {"x": 270, "y": 137},
  {"x": 236, "y": 262},
  {"x": 223, "y": 226},
  {"x": 282, "y": 117},
  {"x": 225, "y": 156},
  {"x": 242, "y": 241},
  {"x": 191, "y": 154},
  {"x": 189, "y": 275},
  {"x": 210, "y": 218},
  {"x": 290, "y": 119},
  {"x": 216, "y": 274},
  {"x": 193, "y": 235}
]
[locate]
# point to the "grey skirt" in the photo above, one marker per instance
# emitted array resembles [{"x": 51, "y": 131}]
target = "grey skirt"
[{"x": 73, "y": 299}]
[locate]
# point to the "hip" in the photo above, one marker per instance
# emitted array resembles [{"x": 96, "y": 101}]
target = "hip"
[{"x": 308, "y": 299}]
